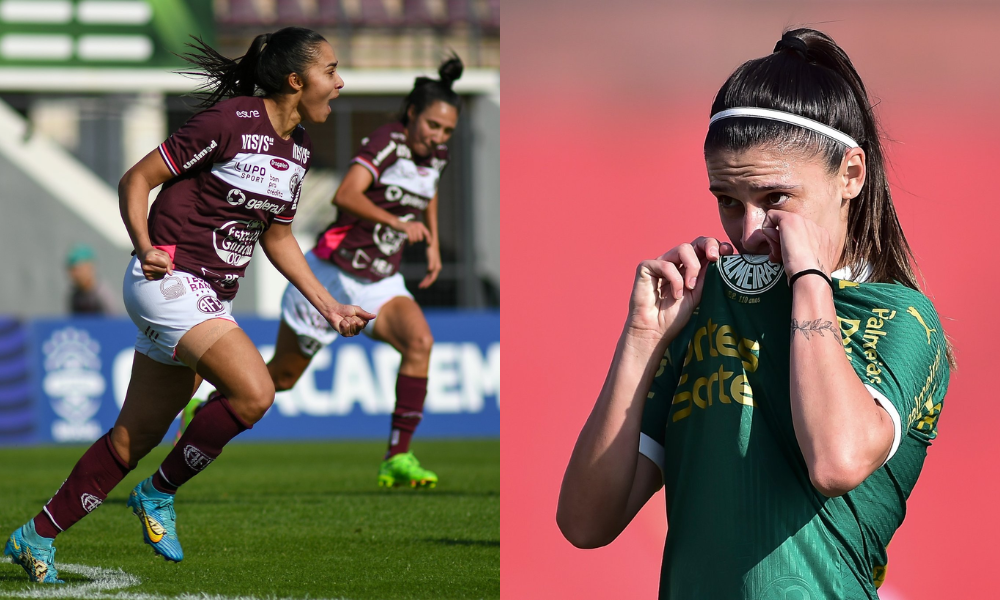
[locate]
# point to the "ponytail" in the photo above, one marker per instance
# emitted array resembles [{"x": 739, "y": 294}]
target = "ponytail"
[
  {"x": 427, "y": 91},
  {"x": 262, "y": 71}
]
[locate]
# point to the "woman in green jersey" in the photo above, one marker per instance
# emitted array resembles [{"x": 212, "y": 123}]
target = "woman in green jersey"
[{"x": 782, "y": 386}]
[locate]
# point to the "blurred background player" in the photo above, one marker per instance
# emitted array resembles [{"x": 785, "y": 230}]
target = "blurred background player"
[
  {"x": 388, "y": 197},
  {"x": 231, "y": 176},
  {"x": 89, "y": 295}
]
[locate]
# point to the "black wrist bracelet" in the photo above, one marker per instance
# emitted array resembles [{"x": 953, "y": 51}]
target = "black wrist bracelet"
[{"x": 791, "y": 280}]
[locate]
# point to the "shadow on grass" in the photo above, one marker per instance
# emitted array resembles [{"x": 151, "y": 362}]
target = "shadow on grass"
[{"x": 467, "y": 543}]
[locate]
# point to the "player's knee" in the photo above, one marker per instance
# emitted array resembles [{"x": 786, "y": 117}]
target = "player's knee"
[
  {"x": 256, "y": 399},
  {"x": 420, "y": 345}
]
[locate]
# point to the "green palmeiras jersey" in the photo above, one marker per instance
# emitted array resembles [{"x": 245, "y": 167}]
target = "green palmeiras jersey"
[{"x": 744, "y": 521}]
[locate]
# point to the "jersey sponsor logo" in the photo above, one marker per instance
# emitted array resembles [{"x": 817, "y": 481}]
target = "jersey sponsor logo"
[
  {"x": 381, "y": 266},
  {"x": 301, "y": 154},
  {"x": 279, "y": 164},
  {"x": 236, "y": 197},
  {"x": 266, "y": 205},
  {"x": 257, "y": 142},
  {"x": 195, "y": 458},
  {"x": 396, "y": 135},
  {"x": 403, "y": 151},
  {"x": 90, "y": 502},
  {"x": 749, "y": 273},
  {"x": 388, "y": 240},
  {"x": 255, "y": 174},
  {"x": 383, "y": 153},
  {"x": 722, "y": 347},
  {"x": 210, "y": 304},
  {"x": 916, "y": 314},
  {"x": 171, "y": 288},
  {"x": 248, "y": 114},
  {"x": 226, "y": 281},
  {"x": 395, "y": 194},
  {"x": 194, "y": 159},
  {"x": 249, "y": 171},
  {"x": 405, "y": 174},
  {"x": 235, "y": 241},
  {"x": 360, "y": 260}
]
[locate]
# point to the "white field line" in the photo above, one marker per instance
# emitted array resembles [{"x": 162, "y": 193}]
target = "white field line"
[{"x": 102, "y": 584}]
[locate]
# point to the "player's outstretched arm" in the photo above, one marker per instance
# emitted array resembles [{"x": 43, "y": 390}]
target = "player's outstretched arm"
[
  {"x": 607, "y": 481},
  {"x": 133, "y": 202},
  {"x": 351, "y": 197},
  {"x": 286, "y": 256}
]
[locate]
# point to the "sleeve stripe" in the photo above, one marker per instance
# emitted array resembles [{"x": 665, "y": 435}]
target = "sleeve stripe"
[
  {"x": 897, "y": 428},
  {"x": 283, "y": 220},
  {"x": 367, "y": 165},
  {"x": 652, "y": 450},
  {"x": 167, "y": 159}
]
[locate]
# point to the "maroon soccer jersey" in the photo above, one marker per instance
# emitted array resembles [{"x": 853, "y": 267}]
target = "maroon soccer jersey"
[
  {"x": 234, "y": 177},
  {"x": 404, "y": 185}
]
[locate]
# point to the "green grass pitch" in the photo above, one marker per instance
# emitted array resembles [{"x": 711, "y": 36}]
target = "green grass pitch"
[{"x": 269, "y": 520}]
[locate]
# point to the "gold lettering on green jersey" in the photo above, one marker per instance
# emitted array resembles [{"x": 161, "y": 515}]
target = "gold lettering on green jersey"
[
  {"x": 726, "y": 343},
  {"x": 680, "y": 398},
  {"x": 750, "y": 351},
  {"x": 873, "y": 333},
  {"x": 741, "y": 391}
]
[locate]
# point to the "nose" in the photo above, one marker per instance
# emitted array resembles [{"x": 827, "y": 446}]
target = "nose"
[{"x": 753, "y": 219}]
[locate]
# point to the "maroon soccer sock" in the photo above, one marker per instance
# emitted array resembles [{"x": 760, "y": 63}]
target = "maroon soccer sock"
[
  {"x": 97, "y": 472},
  {"x": 209, "y": 431},
  {"x": 410, "y": 395}
]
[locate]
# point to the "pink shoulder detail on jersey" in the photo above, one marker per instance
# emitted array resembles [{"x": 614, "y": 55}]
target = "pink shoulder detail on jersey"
[
  {"x": 364, "y": 163},
  {"x": 168, "y": 159},
  {"x": 330, "y": 241}
]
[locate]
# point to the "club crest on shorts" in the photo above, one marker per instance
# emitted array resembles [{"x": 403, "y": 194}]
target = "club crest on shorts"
[
  {"x": 172, "y": 288},
  {"x": 195, "y": 458},
  {"x": 210, "y": 304},
  {"x": 90, "y": 502},
  {"x": 749, "y": 273}
]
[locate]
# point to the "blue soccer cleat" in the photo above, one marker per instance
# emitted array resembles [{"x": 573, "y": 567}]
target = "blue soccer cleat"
[
  {"x": 159, "y": 522},
  {"x": 34, "y": 553}
]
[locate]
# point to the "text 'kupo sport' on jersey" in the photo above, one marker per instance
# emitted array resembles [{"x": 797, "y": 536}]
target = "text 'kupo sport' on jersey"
[
  {"x": 234, "y": 176},
  {"x": 744, "y": 520},
  {"x": 403, "y": 185}
]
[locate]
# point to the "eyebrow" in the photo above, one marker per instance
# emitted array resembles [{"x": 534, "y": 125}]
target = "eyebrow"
[
  {"x": 334, "y": 64},
  {"x": 756, "y": 187}
]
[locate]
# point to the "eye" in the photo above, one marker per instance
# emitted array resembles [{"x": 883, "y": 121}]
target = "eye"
[
  {"x": 727, "y": 202},
  {"x": 777, "y": 198}
]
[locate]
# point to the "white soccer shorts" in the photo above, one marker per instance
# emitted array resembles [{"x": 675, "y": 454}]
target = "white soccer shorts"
[
  {"x": 165, "y": 309},
  {"x": 311, "y": 328}
]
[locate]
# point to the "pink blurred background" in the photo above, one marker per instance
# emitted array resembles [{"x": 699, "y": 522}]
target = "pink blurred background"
[{"x": 607, "y": 106}]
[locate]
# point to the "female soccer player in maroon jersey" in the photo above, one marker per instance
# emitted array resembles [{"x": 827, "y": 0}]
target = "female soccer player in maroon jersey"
[
  {"x": 388, "y": 196},
  {"x": 231, "y": 176}
]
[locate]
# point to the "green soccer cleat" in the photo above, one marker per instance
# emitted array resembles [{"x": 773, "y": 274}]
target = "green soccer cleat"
[
  {"x": 193, "y": 406},
  {"x": 403, "y": 469},
  {"x": 33, "y": 553}
]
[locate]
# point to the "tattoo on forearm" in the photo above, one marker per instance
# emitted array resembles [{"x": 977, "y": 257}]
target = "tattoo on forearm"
[{"x": 809, "y": 327}]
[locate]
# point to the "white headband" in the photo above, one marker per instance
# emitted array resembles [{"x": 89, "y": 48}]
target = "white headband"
[{"x": 777, "y": 115}]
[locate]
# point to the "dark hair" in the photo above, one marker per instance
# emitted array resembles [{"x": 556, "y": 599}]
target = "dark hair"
[
  {"x": 261, "y": 71},
  {"x": 427, "y": 91}
]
